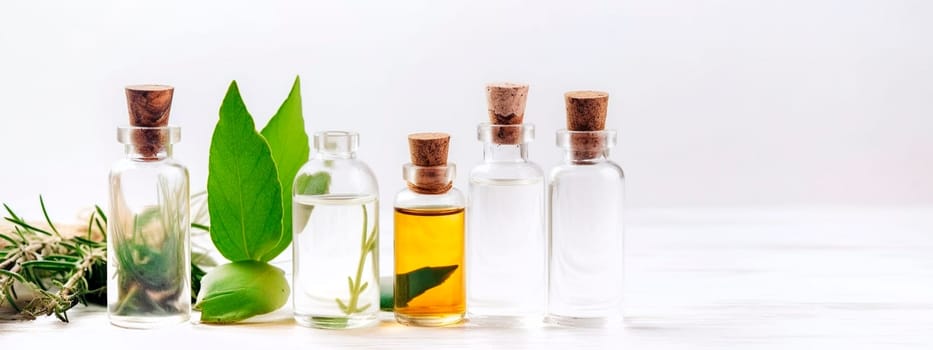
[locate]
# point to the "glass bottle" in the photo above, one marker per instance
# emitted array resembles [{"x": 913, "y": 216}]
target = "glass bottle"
[
  {"x": 429, "y": 238},
  {"x": 148, "y": 224},
  {"x": 506, "y": 235},
  {"x": 586, "y": 234},
  {"x": 336, "y": 242}
]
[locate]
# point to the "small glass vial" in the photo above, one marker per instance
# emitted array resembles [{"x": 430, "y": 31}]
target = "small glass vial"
[
  {"x": 506, "y": 235},
  {"x": 429, "y": 234},
  {"x": 586, "y": 234},
  {"x": 336, "y": 242},
  {"x": 148, "y": 225}
]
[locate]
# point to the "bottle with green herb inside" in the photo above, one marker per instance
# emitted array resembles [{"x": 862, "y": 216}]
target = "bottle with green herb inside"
[
  {"x": 336, "y": 236},
  {"x": 148, "y": 249},
  {"x": 429, "y": 237}
]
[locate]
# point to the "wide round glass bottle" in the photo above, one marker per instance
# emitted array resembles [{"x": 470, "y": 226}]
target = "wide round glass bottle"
[{"x": 336, "y": 236}]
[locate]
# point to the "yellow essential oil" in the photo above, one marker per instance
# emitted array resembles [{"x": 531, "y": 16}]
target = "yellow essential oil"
[{"x": 430, "y": 239}]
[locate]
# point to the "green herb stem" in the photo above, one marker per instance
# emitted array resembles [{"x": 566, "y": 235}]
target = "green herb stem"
[{"x": 356, "y": 289}]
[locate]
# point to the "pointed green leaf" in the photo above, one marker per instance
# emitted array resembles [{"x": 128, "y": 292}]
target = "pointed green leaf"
[
  {"x": 363, "y": 287},
  {"x": 13, "y": 275},
  {"x": 12, "y": 301},
  {"x": 13, "y": 243},
  {"x": 364, "y": 307},
  {"x": 245, "y": 201},
  {"x": 47, "y": 219},
  {"x": 49, "y": 265},
  {"x": 343, "y": 306},
  {"x": 412, "y": 284},
  {"x": 289, "y": 144}
]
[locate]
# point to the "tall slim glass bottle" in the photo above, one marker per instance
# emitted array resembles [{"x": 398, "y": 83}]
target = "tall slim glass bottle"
[
  {"x": 429, "y": 234},
  {"x": 148, "y": 224},
  {"x": 586, "y": 233},
  {"x": 506, "y": 235},
  {"x": 336, "y": 245}
]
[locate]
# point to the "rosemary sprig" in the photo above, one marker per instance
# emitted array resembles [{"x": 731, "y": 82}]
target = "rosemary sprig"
[
  {"x": 58, "y": 271},
  {"x": 49, "y": 271},
  {"x": 367, "y": 246}
]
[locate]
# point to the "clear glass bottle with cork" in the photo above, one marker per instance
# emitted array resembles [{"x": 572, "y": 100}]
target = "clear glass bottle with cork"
[
  {"x": 506, "y": 238},
  {"x": 429, "y": 237},
  {"x": 586, "y": 233},
  {"x": 336, "y": 241},
  {"x": 148, "y": 247}
]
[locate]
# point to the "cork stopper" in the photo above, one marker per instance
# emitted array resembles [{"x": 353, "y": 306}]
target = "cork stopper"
[
  {"x": 149, "y": 106},
  {"x": 429, "y": 174},
  {"x": 428, "y": 148},
  {"x": 506, "y": 103},
  {"x": 506, "y": 106},
  {"x": 586, "y": 111}
]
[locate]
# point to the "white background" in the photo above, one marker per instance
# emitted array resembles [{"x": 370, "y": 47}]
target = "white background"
[
  {"x": 745, "y": 103},
  {"x": 749, "y": 123}
]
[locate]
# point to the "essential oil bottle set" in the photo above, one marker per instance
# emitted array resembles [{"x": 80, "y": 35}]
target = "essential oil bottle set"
[{"x": 522, "y": 247}]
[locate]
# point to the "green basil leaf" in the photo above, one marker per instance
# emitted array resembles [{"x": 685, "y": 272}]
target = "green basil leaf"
[
  {"x": 412, "y": 284},
  {"x": 310, "y": 184},
  {"x": 236, "y": 291},
  {"x": 245, "y": 196},
  {"x": 289, "y": 144},
  {"x": 386, "y": 289},
  {"x": 313, "y": 184}
]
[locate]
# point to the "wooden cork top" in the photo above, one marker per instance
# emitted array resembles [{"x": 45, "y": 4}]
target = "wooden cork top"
[
  {"x": 149, "y": 105},
  {"x": 429, "y": 154},
  {"x": 506, "y": 106},
  {"x": 429, "y": 148},
  {"x": 506, "y": 103},
  {"x": 586, "y": 110}
]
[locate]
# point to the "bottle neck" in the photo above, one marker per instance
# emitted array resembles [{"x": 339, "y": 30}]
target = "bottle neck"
[
  {"x": 582, "y": 157},
  {"x": 429, "y": 179},
  {"x": 331, "y": 155},
  {"x": 334, "y": 145},
  {"x": 586, "y": 147},
  {"x": 505, "y": 143},
  {"x": 497, "y": 153},
  {"x": 148, "y": 143},
  {"x": 148, "y": 153}
]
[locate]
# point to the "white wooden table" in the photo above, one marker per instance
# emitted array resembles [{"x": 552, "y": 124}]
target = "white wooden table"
[{"x": 732, "y": 279}]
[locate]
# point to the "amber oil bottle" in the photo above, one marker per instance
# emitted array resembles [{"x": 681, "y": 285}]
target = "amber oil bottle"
[{"x": 429, "y": 237}]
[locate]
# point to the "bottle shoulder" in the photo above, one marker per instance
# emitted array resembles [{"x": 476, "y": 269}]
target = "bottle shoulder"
[
  {"x": 407, "y": 198},
  {"x": 506, "y": 171},
  {"x": 341, "y": 176},
  {"x": 315, "y": 165},
  {"x": 166, "y": 166},
  {"x": 600, "y": 170}
]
